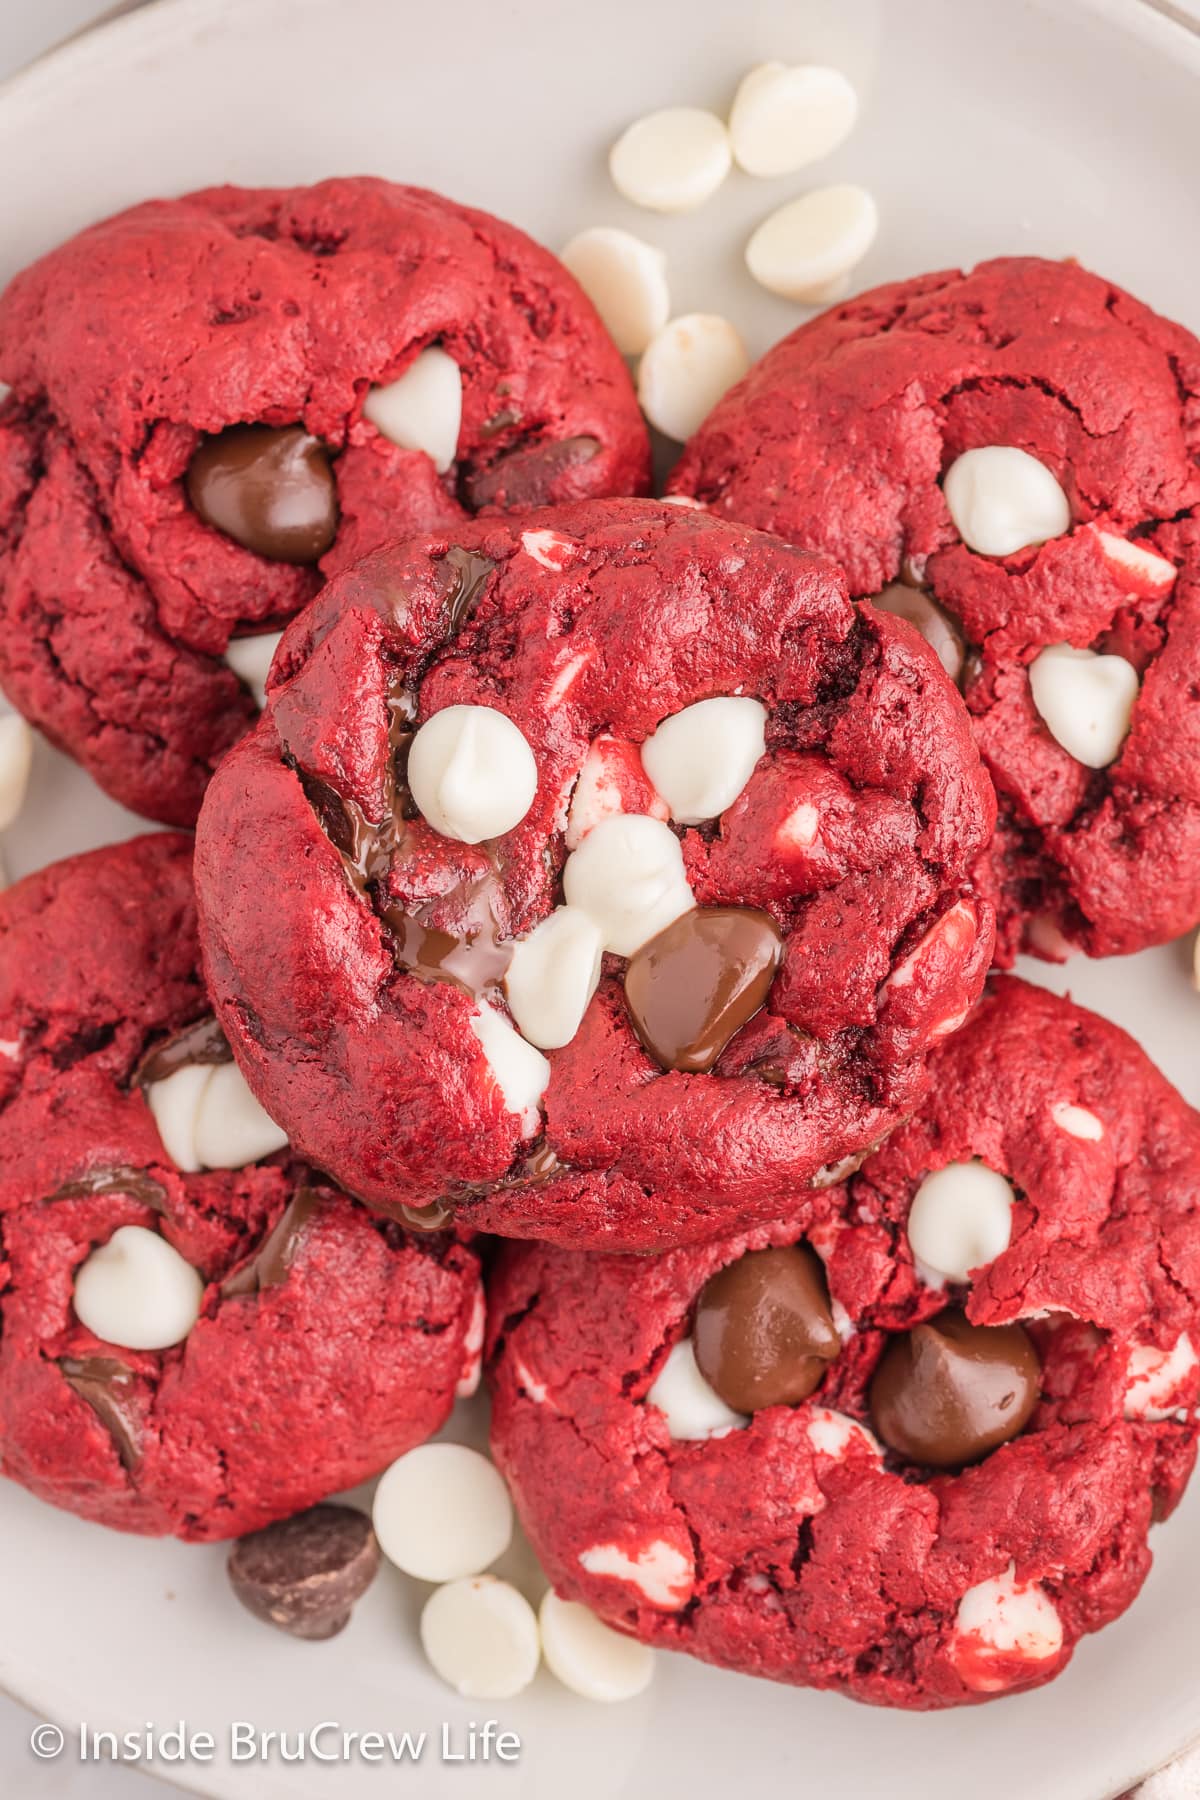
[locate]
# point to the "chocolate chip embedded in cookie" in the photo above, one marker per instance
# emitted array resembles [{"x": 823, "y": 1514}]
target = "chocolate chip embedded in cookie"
[
  {"x": 764, "y": 1332},
  {"x": 271, "y": 384},
  {"x": 947, "y": 1392},
  {"x": 1019, "y": 443},
  {"x": 600, "y": 876},
  {"x": 304, "y": 1574}
]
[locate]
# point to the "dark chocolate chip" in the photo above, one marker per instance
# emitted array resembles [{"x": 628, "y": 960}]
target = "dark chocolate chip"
[
  {"x": 304, "y": 1574},
  {"x": 470, "y": 572},
  {"x": 698, "y": 982},
  {"x": 269, "y": 488},
  {"x": 947, "y": 1392},
  {"x": 269, "y": 1266},
  {"x": 941, "y": 632},
  {"x": 201, "y": 1042},
  {"x": 109, "y": 1388},
  {"x": 528, "y": 476},
  {"x": 113, "y": 1180},
  {"x": 764, "y": 1332}
]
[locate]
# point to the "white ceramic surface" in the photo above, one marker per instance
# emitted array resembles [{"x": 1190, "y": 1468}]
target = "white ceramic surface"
[{"x": 1058, "y": 126}]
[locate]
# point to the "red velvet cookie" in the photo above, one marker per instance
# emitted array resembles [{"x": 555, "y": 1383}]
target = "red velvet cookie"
[
  {"x": 621, "y": 744},
  {"x": 185, "y": 1349},
  {"x": 405, "y": 362},
  {"x": 1060, "y": 579},
  {"x": 831, "y": 1463}
]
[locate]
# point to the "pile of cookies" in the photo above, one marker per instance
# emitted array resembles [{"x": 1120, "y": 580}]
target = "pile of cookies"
[{"x": 585, "y": 964}]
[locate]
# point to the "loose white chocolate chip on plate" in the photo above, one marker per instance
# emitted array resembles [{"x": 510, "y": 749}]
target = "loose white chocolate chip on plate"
[
  {"x": 686, "y": 369},
  {"x": 471, "y": 773},
  {"x": 628, "y": 875},
  {"x": 671, "y": 161},
  {"x": 700, "y": 759},
  {"x": 588, "y": 1656},
  {"x": 16, "y": 759},
  {"x": 689, "y": 1405},
  {"x": 960, "y": 1219},
  {"x": 481, "y": 1637},
  {"x": 137, "y": 1291},
  {"x": 442, "y": 1512},
  {"x": 626, "y": 281},
  {"x": 421, "y": 409},
  {"x": 553, "y": 974},
  {"x": 521, "y": 1072},
  {"x": 250, "y": 659},
  {"x": 1085, "y": 700},
  {"x": 1003, "y": 500},
  {"x": 811, "y": 243},
  {"x": 785, "y": 118}
]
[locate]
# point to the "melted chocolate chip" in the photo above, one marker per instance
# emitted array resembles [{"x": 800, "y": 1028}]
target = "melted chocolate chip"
[
  {"x": 134, "y": 1182},
  {"x": 941, "y": 632},
  {"x": 304, "y": 1574},
  {"x": 947, "y": 1392},
  {"x": 764, "y": 1332},
  {"x": 275, "y": 1255},
  {"x": 269, "y": 488},
  {"x": 527, "y": 476},
  {"x": 698, "y": 982},
  {"x": 109, "y": 1388},
  {"x": 470, "y": 572},
  {"x": 201, "y": 1042},
  {"x": 437, "y": 1216}
]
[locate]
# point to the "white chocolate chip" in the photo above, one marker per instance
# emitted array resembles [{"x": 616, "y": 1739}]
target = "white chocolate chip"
[
  {"x": 250, "y": 659},
  {"x": 588, "y": 1656},
  {"x": 1000, "y": 1622},
  {"x": 472, "y": 1369},
  {"x": 137, "y": 1291},
  {"x": 232, "y": 1129},
  {"x": 1077, "y": 1121},
  {"x": 550, "y": 548},
  {"x": 175, "y": 1103},
  {"x": 686, "y": 369},
  {"x": 1148, "y": 575},
  {"x": 481, "y": 1637},
  {"x": 835, "y": 1434},
  {"x": 1085, "y": 701},
  {"x": 471, "y": 773},
  {"x": 671, "y": 161},
  {"x": 16, "y": 759},
  {"x": 1003, "y": 500},
  {"x": 521, "y": 1073},
  {"x": 661, "y": 1572},
  {"x": 626, "y": 281},
  {"x": 421, "y": 409},
  {"x": 783, "y": 119},
  {"x": 960, "y": 1219},
  {"x": 700, "y": 759},
  {"x": 628, "y": 875},
  {"x": 689, "y": 1405},
  {"x": 810, "y": 243},
  {"x": 441, "y": 1512},
  {"x": 553, "y": 974},
  {"x": 1154, "y": 1377}
]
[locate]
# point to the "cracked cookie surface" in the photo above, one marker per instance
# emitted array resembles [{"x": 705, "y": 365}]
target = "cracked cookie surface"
[
  {"x": 840, "y": 438},
  {"x": 791, "y": 1543},
  {"x": 328, "y": 1340},
  {"x": 322, "y": 889},
  {"x": 181, "y": 318}
]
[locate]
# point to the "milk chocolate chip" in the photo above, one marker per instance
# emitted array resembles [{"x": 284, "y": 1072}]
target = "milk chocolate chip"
[
  {"x": 697, "y": 983},
  {"x": 764, "y": 1332},
  {"x": 269, "y": 488},
  {"x": 940, "y": 631},
  {"x": 304, "y": 1574},
  {"x": 947, "y": 1392},
  {"x": 109, "y": 1387}
]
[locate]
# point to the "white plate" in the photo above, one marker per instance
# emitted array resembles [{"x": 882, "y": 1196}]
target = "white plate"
[{"x": 1049, "y": 126}]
